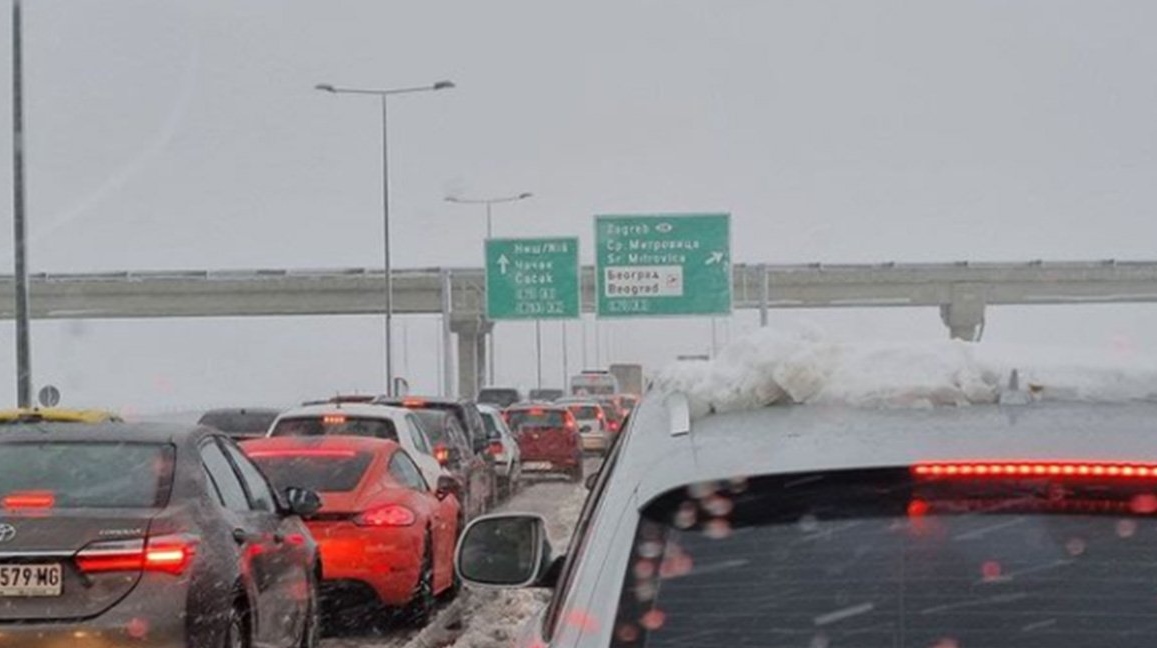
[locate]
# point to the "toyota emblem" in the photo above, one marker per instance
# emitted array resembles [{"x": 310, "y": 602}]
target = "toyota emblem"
[{"x": 7, "y": 532}]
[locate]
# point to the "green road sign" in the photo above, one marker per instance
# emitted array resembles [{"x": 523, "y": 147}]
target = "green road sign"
[
  {"x": 678, "y": 264},
  {"x": 532, "y": 278}
]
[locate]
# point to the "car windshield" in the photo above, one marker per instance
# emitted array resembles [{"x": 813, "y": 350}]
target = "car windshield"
[
  {"x": 519, "y": 418},
  {"x": 881, "y": 559},
  {"x": 336, "y": 425},
  {"x": 332, "y": 471},
  {"x": 86, "y": 474}
]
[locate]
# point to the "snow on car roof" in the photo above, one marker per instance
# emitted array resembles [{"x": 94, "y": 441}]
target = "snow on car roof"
[{"x": 771, "y": 367}]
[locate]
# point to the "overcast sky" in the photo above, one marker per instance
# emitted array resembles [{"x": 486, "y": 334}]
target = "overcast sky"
[{"x": 186, "y": 134}]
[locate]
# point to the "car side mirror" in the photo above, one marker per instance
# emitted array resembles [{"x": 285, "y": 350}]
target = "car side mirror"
[
  {"x": 447, "y": 486},
  {"x": 504, "y": 551},
  {"x": 590, "y": 480},
  {"x": 302, "y": 502}
]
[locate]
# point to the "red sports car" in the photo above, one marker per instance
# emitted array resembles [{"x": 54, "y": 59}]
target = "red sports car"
[{"x": 386, "y": 536}]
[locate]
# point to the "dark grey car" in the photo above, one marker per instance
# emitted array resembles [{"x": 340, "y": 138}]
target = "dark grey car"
[{"x": 148, "y": 535}]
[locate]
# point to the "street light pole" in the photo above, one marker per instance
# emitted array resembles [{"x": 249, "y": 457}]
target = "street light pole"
[
  {"x": 389, "y": 275},
  {"x": 490, "y": 202},
  {"x": 20, "y": 238}
]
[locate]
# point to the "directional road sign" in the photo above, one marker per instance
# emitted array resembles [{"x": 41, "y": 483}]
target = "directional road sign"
[
  {"x": 676, "y": 264},
  {"x": 532, "y": 278}
]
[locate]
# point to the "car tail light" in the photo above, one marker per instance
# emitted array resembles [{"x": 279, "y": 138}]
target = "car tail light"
[
  {"x": 25, "y": 500},
  {"x": 495, "y": 448},
  {"x": 413, "y": 402},
  {"x": 442, "y": 454},
  {"x": 614, "y": 426},
  {"x": 537, "y": 411},
  {"x": 391, "y": 515},
  {"x": 170, "y": 554},
  {"x": 333, "y": 419},
  {"x": 1005, "y": 469}
]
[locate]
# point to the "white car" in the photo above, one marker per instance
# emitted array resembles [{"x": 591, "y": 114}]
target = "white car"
[
  {"x": 358, "y": 419},
  {"x": 591, "y": 420},
  {"x": 980, "y": 525},
  {"x": 508, "y": 460}
]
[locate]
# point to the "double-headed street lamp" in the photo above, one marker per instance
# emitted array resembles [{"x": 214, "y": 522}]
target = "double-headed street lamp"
[
  {"x": 389, "y": 297},
  {"x": 490, "y": 234},
  {"x": 488, "y": 202}
]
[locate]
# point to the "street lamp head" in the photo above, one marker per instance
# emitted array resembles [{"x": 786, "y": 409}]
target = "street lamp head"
[
  {"x": 524, "y": 195},
  {"x": 444, "y": 85},
  {"x": 325, "y": 87},
  {"x": 452, "y": 199}
]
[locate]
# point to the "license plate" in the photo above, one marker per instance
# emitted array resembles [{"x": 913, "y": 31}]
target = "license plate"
[
  {"x": 537, "y": 465},
  {"x": 30, "y": 580}
]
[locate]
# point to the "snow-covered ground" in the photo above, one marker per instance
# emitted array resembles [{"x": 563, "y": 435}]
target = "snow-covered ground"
[{"x": 773, "y": 366}]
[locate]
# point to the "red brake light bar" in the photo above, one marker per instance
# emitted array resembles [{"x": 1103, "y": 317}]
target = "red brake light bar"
[
  {"x": 23, "y": 500},
  {"x": 303, "y": 452},
  {"x": 333, "y": 419},
  {"x": 413, "y": 402},
  {"x": 982, "y": 469}
]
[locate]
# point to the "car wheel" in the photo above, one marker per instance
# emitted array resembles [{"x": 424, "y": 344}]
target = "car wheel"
[
  {"x": 236, "y": 630},
  {"x": 311, "y": 632},
  {"x": 421, "y": 605}
]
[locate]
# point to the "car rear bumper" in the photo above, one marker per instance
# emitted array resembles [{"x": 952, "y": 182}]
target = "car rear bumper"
[
  {"x": 550, "y": 465},
  {"x": 151, "y": 615},
  {"x": 595, "y": 441},
  {"x": 96, "y": 633},
  {"x": 386, "y": 560}
]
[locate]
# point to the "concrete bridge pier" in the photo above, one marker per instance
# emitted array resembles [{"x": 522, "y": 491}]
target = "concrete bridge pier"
[
  {"x": 472, "y": 333},
  {"x": 964, "y": 314}
]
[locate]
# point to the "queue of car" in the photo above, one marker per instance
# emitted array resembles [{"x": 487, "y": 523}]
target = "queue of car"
[{"x": 341, "y": 511}]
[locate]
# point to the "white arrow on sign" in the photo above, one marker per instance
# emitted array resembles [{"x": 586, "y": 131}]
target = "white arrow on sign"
[
  {"x": 716, "y": 257},
  {"x": 502, "y": 263}
]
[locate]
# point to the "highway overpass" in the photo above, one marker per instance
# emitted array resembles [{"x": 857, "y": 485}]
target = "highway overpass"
[{"x": 961, "y": 291}]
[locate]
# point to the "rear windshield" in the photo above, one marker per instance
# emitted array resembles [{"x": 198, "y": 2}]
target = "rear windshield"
[
  {"x": 88, "y": 475},
  {"x": 502, "y": 397},
  {"x": 239, "y": 422},
  {"x": 435, "y": 424},
  {"x": 336, "y": 425},
  {"x": 333, "y": 472},
  {"x": 491, "y": 426},
  {"x": 877, "y": 559},
  {"x": 584, "y": 412},
  {"x": 536, "y": 417}
]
